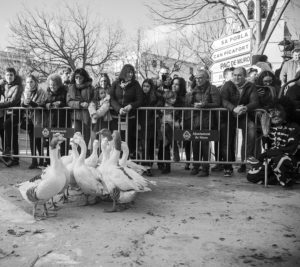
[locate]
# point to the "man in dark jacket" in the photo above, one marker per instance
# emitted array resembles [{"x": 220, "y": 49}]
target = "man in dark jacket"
[
  {"x": 11, "y": 92},
  {"x": 240, "y": 98},
  {"x": 203, "y": 95}
]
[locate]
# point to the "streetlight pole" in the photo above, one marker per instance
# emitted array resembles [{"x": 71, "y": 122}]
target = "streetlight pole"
[{"x": 258, "y": 23}]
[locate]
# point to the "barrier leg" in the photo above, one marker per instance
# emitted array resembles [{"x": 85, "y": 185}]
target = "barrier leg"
[{"x": 266, "y": 171}]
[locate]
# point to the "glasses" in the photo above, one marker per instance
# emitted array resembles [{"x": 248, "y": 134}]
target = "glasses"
[{"x": 78, "y": 77}]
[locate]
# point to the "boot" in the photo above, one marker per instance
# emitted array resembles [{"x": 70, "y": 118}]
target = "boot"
[
  {"x": 34, "y": 164},
  {"x": 166, "y": 169}
]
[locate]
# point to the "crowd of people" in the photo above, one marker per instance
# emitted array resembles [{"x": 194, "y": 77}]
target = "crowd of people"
[{"x": 242, "y": 92}]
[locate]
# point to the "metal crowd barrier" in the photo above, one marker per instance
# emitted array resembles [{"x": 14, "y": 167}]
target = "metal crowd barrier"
[{"x": 156, "y": 134}]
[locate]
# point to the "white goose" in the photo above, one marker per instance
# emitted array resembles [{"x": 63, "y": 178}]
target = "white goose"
[
  {"x": 41, "y": 188},
  {"x": 141, "y": 181},
  {"x": 87, "y": 178},
  {"x": 92, "y": 160},
  {"x": 119, "y": 183},
  {"x": 70, "y": 166}
]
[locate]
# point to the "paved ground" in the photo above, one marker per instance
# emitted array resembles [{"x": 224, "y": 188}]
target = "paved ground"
[{"x": 184, "y": 221}]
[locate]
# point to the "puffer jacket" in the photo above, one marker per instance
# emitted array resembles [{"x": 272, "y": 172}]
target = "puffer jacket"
[
  {"x": 11, "y": 95},
  {"x": 132, "y": 95},
  {"x": 78, "y": 94},
  {"x": 37, "y": 99},
  {"x": 56, "y": 118}
]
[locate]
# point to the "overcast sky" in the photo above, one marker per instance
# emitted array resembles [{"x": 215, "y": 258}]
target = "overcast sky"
[{"x": 131, "y": 13}]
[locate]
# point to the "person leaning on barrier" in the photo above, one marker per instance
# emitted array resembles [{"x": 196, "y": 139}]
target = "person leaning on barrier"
[
  {"x": 66, "y": 75},
  {"x": 11, "y": 90},
  {"x": 239, "y": 96},
  {"x": 148, "y": 122},
  {"x": 33, "y": 97},
  {"x": 227, "y": 75},
  {"x": 80, "y": 94},
  {"x": 56, "y": 100},
  {"x": 126, "y": 96},
  {"x": 281, "y": 140},
  {"x": 165, "y": 137},
  {"x": 99, "y": 110},
  {"x": 203, "y": 95},
  {"x": 178, "y": 85}
]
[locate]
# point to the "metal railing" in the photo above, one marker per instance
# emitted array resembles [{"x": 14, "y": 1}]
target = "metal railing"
[{"x": 154, "y": 134}]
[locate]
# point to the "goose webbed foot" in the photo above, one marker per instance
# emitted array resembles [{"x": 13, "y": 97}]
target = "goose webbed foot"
[
  {"x": 86, "y": 201},
  {"x": 54, "y": 206},
  {"x": 64, "y": 198},
  {"x": 114, "y": 207}
]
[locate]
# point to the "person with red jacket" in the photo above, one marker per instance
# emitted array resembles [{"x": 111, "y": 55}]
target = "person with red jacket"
[{"x": 126, "y": 95}]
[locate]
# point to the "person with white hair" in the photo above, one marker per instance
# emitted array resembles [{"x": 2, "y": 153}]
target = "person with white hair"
[{"x": 291, "y": 67}]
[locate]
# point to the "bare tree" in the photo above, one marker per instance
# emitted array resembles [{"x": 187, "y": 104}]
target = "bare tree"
[
  {"x": 71, "y": 38},
  {"x": 191, "y": 12},
  {"x": 171, "y": 55},
  {"x": 198, "y": 39}
]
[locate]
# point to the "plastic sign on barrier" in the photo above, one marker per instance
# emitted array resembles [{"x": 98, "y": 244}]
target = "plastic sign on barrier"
[
  {"x": 48, "y": 132},
  {"x": 201, "y": 135}
]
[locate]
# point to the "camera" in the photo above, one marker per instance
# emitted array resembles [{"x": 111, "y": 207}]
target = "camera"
[{"x": 164, "y": 77}]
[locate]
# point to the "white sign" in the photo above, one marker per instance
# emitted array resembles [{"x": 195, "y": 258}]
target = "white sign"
[
  {"x": 233, "y": 39},
  {"x": 239, "y": 61},
  {"x": 232, "y": 51}
]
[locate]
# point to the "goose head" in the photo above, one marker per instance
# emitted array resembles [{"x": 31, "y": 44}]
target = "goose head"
[
  {"x": 95, "y": 145},
  {"x": 105, "y": 133},
  {"x": 105, "y": 144},
  {"x": 56, "y": 140},
  {"x": 77, "y": 138},
  {"x": 72, "y": 144}
]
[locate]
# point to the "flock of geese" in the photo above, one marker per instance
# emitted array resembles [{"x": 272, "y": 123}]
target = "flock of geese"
[{"x": 108, "y": 176}]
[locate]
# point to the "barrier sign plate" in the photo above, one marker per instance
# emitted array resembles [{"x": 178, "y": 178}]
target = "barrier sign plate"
[
  {"x": 190, "y": 135},
  {"x": 48, "y": 132}
]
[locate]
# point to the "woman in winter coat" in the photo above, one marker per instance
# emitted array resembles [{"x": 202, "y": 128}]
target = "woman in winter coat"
[
  {"x": 33, "y": 97},
  {"x": 178, "y": 85},
  {"x": 148, "y": 119},
  {"x": 80, "y": 95},
  {"x": 126, "y": 96}
]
